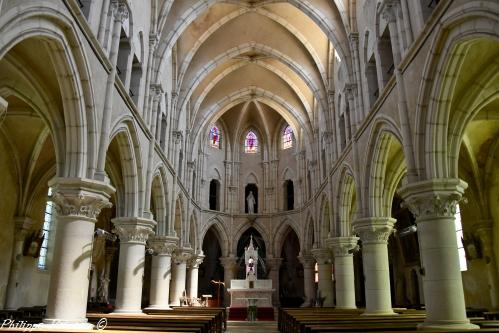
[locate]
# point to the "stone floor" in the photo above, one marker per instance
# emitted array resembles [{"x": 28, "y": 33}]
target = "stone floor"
[{"x": 250, "y": 327}]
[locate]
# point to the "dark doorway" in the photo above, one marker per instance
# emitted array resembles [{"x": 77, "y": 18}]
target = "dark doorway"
[
  {"x": 259, "y": 243},
  {"x": 214, "y": 194},
  {"x": 291, "y": 283},
  {"x": 251, "y": 188},
  {"x": 289, "y": 201},
  {"x": 211, "y": 268}
]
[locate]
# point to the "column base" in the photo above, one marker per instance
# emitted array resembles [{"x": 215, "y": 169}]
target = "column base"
[
  {"x": 65, "y": 324},
  {"x": 346, "y": 307},
  {"x": 380, "y": 313},
  {"x": 447, "y": 325}
]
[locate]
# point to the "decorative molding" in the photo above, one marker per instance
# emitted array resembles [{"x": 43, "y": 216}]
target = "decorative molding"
[
  {"x": 163, "y": 245},
  {"x": 322, "y": 256},
  {"x": 374, "y": 230},
  {"x": 182, "y": 255},
  {"x": 343, "y": 246},
  {"x": 133, "y": 230},
  {"x": 120, "y": 10},
  {"x": 195, "y": 261},
  {"x": 433, "y": 198}
]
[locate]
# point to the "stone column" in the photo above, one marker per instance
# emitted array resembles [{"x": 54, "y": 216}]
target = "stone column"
[
  {"x": 374, "y": 233},
  {"x": 324, "y": 263},
  {"x": 484, "y": 233},
  {"x": 343, "y": 271},
  {"x": 78, "y": 203},
  {"x": 274, "y": 264},
  {"x": 163, "y": 247},
  {"x": 308, "y": 262},
  {"x": 133, "y": 233},
  {"x": 230, "y": 271},
  {"x": 179, "y": 270},
  {"x": 22, "y": 224},
  {"x": 194, "y": 263},
  {"x": 433, "y": 202}
]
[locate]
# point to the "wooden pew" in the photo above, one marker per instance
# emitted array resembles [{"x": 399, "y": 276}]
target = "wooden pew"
[{"x": 219, "y": 313}]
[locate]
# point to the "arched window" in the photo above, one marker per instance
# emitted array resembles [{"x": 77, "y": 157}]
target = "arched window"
[
  {"x": 47, "y": 227},
  {"x": 215, "y": 137},
  {"x": 287, "y": 138},
  {"x": 251, "y": 143}
]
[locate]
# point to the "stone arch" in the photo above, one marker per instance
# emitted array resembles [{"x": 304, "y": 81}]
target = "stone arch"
[
  {"x": 346, "y": 201},
  {"x": 221, "y": 233},
  {"x": 179, "y": 214},
  {"x": 326, "y": 230},
  {"x": 128, "y": 149},
  {"x": 309, "y": 234},
  {"x": 245, "y": 226},
  {"x": 384, "y": 154},
  {"x": 281, "y": 233},
  {"x": 193, "y": 233},
  {"x": 440, "y": 123},
  {"x": 159, "y": 194},
  {"x": 76, "y": 137}
]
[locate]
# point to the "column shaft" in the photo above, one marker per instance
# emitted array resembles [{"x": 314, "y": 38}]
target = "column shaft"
[
  {"x": 179, "y": 274},
  {"x": 343, "y": 271},
  {"x": 160, "y": 281}
]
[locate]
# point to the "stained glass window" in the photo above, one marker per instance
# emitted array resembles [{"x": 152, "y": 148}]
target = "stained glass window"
[
  {"x": 47, "y": 226},
  {"x": 215, "y": 137},
  {"x": 251, "y": 143},
  {"x": 287, "y": 138}
]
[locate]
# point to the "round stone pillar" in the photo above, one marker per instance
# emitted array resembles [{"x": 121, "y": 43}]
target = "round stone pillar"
[
  {"x": 275, "y": 265},
  {"x": 163, "y": 247},
  {"x": 308, "y": 262},
  {"x": 433, "y": 202},
  {"x": 193, "y": 264},
  {"x": 484, "y": 233},
  {"x": 179, "y": 272},
  {"x": 230, "y": 272},
  {"x": 133, "y": 233},
  {"x": 374, "y": 233},
  {"x": 78, "y": 203},
  {"x": 325, "y": 267},
  {"x": 343, "y": 271},
  {"x": 22, "y": 224}
]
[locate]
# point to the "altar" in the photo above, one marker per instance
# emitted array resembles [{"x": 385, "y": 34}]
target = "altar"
[{"x": 251, "y": 291}]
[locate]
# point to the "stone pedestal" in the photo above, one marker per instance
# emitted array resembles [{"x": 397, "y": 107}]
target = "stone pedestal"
[
  {"x": 433, "y": 202},
  {"x": 21, "y": 226},
  {"x": 179, "y": 272},
  {"x": 133, "y": 233},
  {"x": 374, "y": 233},
  {"x": 324, "y": 263},
  {"x": 193, "y": 264},
  {"x": 163, "y": 247},
  {"x": 308, "y": 262},
  {"x": 343, "y": 269},
  {"x": 259, "y": 291},
  {"x": 78, "y": 203}
]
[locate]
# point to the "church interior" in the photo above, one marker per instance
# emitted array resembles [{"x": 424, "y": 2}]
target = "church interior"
[{"x": 249, "y": 165}]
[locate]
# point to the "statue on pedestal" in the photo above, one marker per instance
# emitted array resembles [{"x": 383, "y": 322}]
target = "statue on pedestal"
[{"x": 250, "y": 199}]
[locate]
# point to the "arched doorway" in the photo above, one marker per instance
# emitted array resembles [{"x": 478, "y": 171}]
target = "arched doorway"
[
  {"x": 291, "y": 287},
  {"x": 211, "y": 269}
]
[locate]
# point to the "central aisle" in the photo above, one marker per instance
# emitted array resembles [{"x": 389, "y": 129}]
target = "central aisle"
[{"x": 250, "y": 327}]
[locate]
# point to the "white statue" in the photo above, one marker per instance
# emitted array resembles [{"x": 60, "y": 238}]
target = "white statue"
[{"x": 250, "y": 199}]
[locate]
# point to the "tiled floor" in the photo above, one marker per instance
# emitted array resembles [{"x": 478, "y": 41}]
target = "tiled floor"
[{"x": 252, "y": 327}]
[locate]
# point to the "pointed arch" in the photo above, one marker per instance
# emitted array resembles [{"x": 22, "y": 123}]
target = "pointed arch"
[
  {"x": 281, "y": 233},
  {"x": 218, "y": 227},
  {"x": 346, "y": 201}
]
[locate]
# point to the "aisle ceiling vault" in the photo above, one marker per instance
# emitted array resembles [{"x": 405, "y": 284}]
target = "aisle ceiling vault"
[{"x": 257, "y": 57}]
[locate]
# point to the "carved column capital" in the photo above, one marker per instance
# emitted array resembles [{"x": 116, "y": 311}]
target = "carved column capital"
[
  {"x": 153, "y": 40},
  {"x": 133, "y": 229},
  {"x": 307, "y": 260},
  {"x": 387, "y": 11},
  {"x": 182, "y": 255},
  {"x": 156, "y": 91},
  {"x": 163, "y": 245},
  {"x": 177, "y": 136},
  {"x": 195, "y": 261},
  {"x": 80, "y": 197},
  {"x": 322, "y": 256},
  {"x": 120, "y": 10},
  {"x": 343, "y": 246},
  {"x": 374, "y": 230},
  {"x": 433, "y": 198},
  {"x": 354, "y": 39}
]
